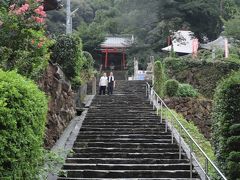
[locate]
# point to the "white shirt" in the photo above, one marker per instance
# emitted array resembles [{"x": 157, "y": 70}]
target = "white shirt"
[{"x": 103, "y": 81}]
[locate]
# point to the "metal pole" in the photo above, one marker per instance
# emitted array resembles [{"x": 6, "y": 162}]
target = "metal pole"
[
  {"x": 206, "y": 168},
  {"x": 180, "y": 144},
  {"x": 153, "y": 101},
  {"x": 166, "y": 124},
  {"x": 161, "y": 107},
  {"x": 146, "y": 89},
  {"x": 191, "y": 159},
  {"x": 172, "y": 124},
  {"x": 68, "y": 19}
]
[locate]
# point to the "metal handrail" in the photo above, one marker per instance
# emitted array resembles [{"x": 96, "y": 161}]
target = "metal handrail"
[{"x": 151, "y": 94}]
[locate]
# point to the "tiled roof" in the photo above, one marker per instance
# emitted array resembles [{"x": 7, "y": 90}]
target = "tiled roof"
[
  {"x": 117, "y": 42},
  {"x": 182, "y": 42},
  {"x": 219, "y": 43}
]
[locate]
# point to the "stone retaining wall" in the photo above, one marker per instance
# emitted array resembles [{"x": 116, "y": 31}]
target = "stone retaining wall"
[
  {"x": 196, "y": 110},
  {"x": 61, "y": 107}
]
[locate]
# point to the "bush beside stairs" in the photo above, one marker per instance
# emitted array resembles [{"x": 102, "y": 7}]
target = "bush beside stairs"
[{"x": 122, "y": 138}]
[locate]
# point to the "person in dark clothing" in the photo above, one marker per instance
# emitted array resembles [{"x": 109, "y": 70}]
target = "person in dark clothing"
[{"x": 111, "y": 83}]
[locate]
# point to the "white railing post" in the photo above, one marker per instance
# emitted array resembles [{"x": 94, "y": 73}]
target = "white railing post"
[
  {"x": 191, "y": 159},
  {"x": 206, "y": 168},
  {"x": 180, "y": 144},
  {"x": 146, "y": 90},
  {"x": 161, "y": 107},
  {"x": 166, "y": 123},
  {"x": 172, "y": 124},
  {"x": 153, "y": 100}
]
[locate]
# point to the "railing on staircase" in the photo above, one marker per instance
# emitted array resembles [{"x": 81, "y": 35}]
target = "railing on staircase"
[{"x": 158, "y": 104}]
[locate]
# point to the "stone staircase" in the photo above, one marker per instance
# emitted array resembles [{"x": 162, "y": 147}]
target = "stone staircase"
[{"x": 122, "y": 138}]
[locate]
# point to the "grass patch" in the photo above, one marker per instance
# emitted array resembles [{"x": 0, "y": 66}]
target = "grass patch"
[{"x": 197, "y": 136}]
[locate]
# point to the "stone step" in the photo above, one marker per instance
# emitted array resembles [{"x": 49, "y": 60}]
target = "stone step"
[
  {"x": 130, "y": 173},
  {"x": 124, "y": 145},
  {"x": 124, "y": 140},
  {"x": 122, "y": 119},
  {"x": 99, "y": 136},
  {"x": 124, "y": 150},
  {"x": 121, "y": 115},
  {"x": 117, "y": 123},
  {"x": 124, "y": 167},
  {"x": 123, "y": 133},
  {"x": 125, "y": 161},
  {"x": 66, "y": 178},
  {"x": 121, "y": 111},
  {"x": 165, "y": 155},
  {"x": 128, "y": 126}
]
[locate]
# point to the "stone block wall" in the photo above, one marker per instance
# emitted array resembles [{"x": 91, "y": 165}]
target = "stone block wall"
[
  {"x": 196, "y": 110},
  {"x": 202, "y": 75},
  {"x": 61, "y": 107}
]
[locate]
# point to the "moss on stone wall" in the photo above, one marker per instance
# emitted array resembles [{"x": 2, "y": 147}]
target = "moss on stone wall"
[{"x": 203, "y": 75}]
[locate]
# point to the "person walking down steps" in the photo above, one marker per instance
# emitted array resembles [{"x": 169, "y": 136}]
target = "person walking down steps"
[
  {"x": 103, "y": 84},
  {"x": 111, "y": 83}
]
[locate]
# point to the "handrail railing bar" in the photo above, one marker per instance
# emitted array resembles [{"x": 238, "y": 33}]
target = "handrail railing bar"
[
  {"x": 184, "y": 144},
  {"x": 172, "y": 122},
  {"x": 216, "y": 168},
  {"x": 191, "y": 168},
  {"x": 180, "y": 144}
]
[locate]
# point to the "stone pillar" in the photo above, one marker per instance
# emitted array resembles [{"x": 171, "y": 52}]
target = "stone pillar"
[
  {"x": 152, "y": 62},
  {"x": 135, "y": 68},
  {"x": 94, "y": 86}
]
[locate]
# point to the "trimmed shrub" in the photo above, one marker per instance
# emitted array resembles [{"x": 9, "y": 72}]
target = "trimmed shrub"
[
  {"x": 23, "y": 112},
  {"x": 171, "y": 87},
  {"x": 67, "y": 52},
  {"x": 226, "y": 120},
  {"x": 186, "y": 90},
  {"x": 159, "y": 78}
]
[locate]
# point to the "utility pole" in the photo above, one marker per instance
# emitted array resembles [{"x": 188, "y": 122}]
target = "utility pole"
[{"x": 68, "y": 19}]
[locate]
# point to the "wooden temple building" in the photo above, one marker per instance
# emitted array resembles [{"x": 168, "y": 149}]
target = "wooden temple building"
[{"x": 112, "y": 53}]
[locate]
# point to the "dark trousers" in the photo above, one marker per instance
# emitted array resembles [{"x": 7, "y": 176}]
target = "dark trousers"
[
  {"x": 110, "y": 88},
  {"x": 102, "y": 90}
]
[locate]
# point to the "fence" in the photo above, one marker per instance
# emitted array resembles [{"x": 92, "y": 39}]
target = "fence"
[{"x": 170, "y": 123}]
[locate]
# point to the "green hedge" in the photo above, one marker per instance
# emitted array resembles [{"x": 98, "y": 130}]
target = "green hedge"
[
  {"x": 171, "y": 87},
  {"x": 159, "y": 78},
  {"x": 226, "y": 119},
  {"x": 186, "y": 90},
  {"x": 67, "y": 52},
  {"x": 202, "y": 75},
  {"x": 23, "y": 110}
]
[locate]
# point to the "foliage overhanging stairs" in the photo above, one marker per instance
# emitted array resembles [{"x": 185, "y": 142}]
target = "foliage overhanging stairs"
[{"x": 121, "y": 137}]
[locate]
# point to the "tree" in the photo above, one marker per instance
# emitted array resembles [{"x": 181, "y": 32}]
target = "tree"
[
  {"x": 226, "y": 124},
  {"x": 232, "y": 28},
  {"x": 201, "y": 16},
  {"x": 92, "y": 35}
]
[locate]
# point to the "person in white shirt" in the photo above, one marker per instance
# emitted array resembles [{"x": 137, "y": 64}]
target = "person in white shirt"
[
  {"x": 103, "y": 84},
  {"x": 111, "y": 83}
]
